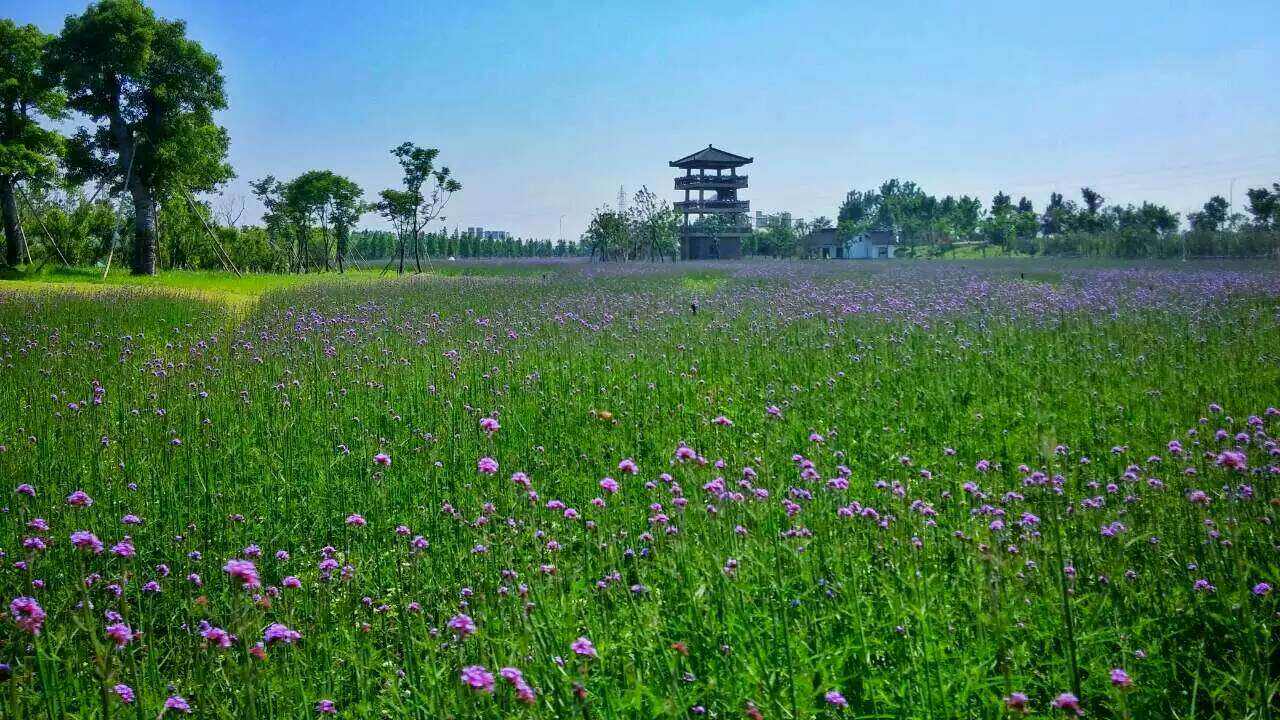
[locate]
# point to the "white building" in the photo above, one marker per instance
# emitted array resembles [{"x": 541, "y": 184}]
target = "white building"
[{"x": 870, "y": 245}]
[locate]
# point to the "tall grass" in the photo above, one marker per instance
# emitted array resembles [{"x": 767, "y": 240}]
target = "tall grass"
[{"x": 926, "y": 489}]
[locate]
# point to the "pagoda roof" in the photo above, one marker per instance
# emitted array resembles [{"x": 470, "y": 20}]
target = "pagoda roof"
[{"x": 710, "y": 157}]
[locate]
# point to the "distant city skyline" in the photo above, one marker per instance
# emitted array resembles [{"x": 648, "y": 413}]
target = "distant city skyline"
[{"x": 544, "y": 110}]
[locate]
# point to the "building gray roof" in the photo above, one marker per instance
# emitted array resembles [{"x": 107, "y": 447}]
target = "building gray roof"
[{"x": 711, "y": 157}]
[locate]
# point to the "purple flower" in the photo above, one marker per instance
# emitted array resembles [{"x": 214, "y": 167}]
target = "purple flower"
[
  {"x": 1017, "y": 702},
  {"x": 834, "y": 698},
  {"x": 1120, "y": 678},
  {"x": 120, "y": 634},
  {"x": 1233, "y": 460},
  {"x": 582, "y": 646},
  {"x": 277, "y": 632},
  {"x": 124, "y": 692},
  {"x": 382, "y": 459},
  {"x": 326, "y": 707},
  {"x": 79, "y": 498},
  {"x": 1068, "y": 702},
  {"x": 244, "y": 571},
  {"x": 27, "y": 614},
  {"x": 461, "y": 625},
  {"x": 86, "y": 540},
  {"x": 1262, "y": 589},
  {"x": 487, "y": 465},
  {"x": 178, "y": 703},
  {"x": 478, "y": 678},
  {"x": 216, "y": 636}
]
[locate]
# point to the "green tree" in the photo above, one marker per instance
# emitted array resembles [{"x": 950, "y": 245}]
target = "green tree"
[
  {"x": 1264, "y": 206},
  {"x": 400, "y": 207},
  {"x": 607, "y": 235},
  {"x": 1059, "y": 215},
  {"x": 1212, "y": 217},
  {"x": 346, "y": 208},
  {"x": 28, "y": 89},
  {"x": 655, "y": 227},
  {"x": 427, "y": 190},
  {"x": 151, "y": 93}
]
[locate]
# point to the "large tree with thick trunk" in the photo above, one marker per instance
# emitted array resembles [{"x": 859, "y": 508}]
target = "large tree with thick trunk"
[
  {"x": 27, "y": 151},
  {"x": 151, "y": 93}
]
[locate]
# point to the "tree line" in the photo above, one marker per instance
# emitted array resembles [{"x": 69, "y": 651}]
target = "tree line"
[{"x": 925, "y": 223}]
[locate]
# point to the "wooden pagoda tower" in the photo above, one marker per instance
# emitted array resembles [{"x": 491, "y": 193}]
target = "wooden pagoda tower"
[{"x": 722, "y": 219}]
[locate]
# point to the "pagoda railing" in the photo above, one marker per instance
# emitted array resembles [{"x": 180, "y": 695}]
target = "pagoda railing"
[
  {"x": 694, "y": 206},
  {"x": 711, "y": 181}
]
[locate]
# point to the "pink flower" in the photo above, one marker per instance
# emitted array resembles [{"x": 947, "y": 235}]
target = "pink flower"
[
  {"x": 478, "y": 678},
  {"x": 487, "y": 465},
  {"x": 217, "y": 636},
  {"x": 382, "y": 459},
  {"x": 629, "y": 466},
  {"x": 244, "y": 571},
  {"x": 489, "y": 425},
  {"x": 356, "y": 520},
  {"x": 609, "y": 485}
]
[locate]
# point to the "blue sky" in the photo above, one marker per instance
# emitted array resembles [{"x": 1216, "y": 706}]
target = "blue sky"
[{"x": 544, "y": 109}]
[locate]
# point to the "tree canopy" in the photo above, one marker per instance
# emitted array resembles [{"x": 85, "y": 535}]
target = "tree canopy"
[
  {"x": 150, "y": 92},
  {"x": 28, "y": 90}
]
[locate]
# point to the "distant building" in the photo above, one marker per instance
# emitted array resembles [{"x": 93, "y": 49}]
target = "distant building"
[
  {"x": 871, "y": 245},
  {"x": 763, "y": 220},
  {"x": 723, "y": 219},
  {"x": 483, "y": 234}
]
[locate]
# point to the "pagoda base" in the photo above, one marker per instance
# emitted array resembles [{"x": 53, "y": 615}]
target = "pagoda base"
[{"x": 702, "y": 247}]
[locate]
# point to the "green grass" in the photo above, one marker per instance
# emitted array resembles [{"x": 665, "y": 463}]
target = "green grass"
[{"x": 281, "y": 405}]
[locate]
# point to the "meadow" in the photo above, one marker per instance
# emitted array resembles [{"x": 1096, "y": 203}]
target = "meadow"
[{"x": 739, "y": 490}]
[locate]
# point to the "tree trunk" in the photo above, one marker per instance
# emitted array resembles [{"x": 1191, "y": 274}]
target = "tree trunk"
[
  {"x": 417, "y": 258},
  {"x": 342, "y": 247},
  {"x": 144, "y": 236},
  {"x": 15, "y": 243}
]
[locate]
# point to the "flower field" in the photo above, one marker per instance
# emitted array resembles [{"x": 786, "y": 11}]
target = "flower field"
[{"x": 733, "y": 491}]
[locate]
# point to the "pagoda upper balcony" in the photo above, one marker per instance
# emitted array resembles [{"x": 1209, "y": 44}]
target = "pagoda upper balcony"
[
  {"x": 712, "y": 207},
  {"x": 719, "y": 231},
  {"x": 711, "y": 182}
]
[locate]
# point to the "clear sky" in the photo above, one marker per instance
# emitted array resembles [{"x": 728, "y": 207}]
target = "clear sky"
[{"x": 544, "y": 109}]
